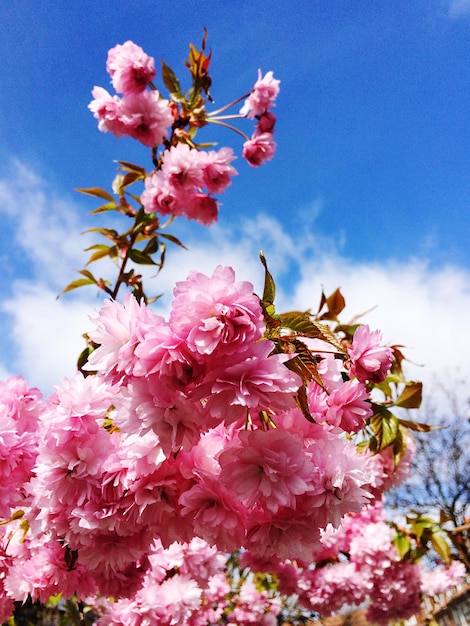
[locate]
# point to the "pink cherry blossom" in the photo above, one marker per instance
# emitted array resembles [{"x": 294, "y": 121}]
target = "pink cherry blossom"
[
  {"x": 183, "y": 166},
  {"x": 118, "y": 330},
  {"x": 159, "y": 195},
  {"x": 370, "y": 360},
  {"x": 216, "y": 517},
  {"x": 202, "y": 208},
  {"x": 269, "y": 468},
  {"x": 349, "y": 406},
  {"x": 255, "y": 379},
  {"x": 441, "y": 579},
  {"x": 262, "y": 96},
  {"x": 340, "y": 480},
  {"x": 217, "y": 172},
  {"x": 106, "y": 109},
  {"x": 146, "y": 117},
  {"x": 130, "y": 68},
  {"x": 216, "y": 312},
  {"x": 259, "y": 149}
]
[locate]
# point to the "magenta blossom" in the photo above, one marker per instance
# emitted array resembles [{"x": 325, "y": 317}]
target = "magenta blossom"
[{"x": 259, "y": 149}]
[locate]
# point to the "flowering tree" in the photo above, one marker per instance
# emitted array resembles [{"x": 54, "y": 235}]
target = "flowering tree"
[{"x": 225, "y": 465}]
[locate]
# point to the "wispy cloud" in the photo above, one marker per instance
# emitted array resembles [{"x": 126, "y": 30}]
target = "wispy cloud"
[
  {"x": 459, "y": 8},
  {"x": 413, "y": 303}
]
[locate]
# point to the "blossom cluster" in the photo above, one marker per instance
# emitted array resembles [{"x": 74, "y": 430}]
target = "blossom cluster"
[
  {"x": 359, "y": 565},
  {"x": 186, "y": 177},
  {"x": 187, "y": 443},
  {"x": 223, "y": 429}
]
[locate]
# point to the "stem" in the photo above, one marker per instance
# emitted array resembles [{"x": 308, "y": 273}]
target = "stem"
[
  {"x": 245, "y": 137},
  {"x": 226, "y": 117},
  {"x": 120, "y": 278},
  {"x": 230, "y": 104}
]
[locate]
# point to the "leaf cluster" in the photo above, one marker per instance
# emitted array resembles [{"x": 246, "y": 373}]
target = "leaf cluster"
[
  {"x": 143, "y": 243},
  {"x": 291, "y": 333}
]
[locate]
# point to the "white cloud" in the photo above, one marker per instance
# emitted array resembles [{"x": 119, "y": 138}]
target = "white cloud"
[
  {"x": 46, "y": 333},
  {"x": 459, "y": 8},
  {"x": 415, "y": 304},
  {"x": 422, "y": 308}
]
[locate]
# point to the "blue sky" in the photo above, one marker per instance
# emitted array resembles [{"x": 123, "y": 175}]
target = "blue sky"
[{"x": 369, "y": 189}]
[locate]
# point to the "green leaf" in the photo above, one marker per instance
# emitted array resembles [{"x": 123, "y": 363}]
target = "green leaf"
[
  {"x": 75, "y": 284},
  {"x": 385, "y": 426},
  {"x": 170, "y": 80},
  {"x": 269, "y": 290},
  {"x": 109, "y": 233},
  {"x": 411, "y": 396},
  {"x": 138, "y": 256},
  {"x": 402, "y": 544},
  {"x": 441, "y": 545},
  {"x": 101, "y": 250},
  {"x": 152, "y": 246},
  {"x": 173, "y": 239},
  {"x": 418, "y": 427},
  {"x": 97, "y": 192},
  {"x": 109, "y": 206},
  {"x": 88, "y": 274},
  {"x": 131, "y": 167}
]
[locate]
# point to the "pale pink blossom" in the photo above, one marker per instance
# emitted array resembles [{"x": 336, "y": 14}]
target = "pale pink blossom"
[
  {"x": 217, "y": 172},
  {"x": 441, "y": 579},
  {"x": 183, "y": 166},
  {"x": 159, "y": 196},
  {"x": 254, "y": 379},
  {"x": 349, "y": 407},
  {"x": 259, "y": 149},
  {"x": 267, "y": 468},
  {"x": 119, "y": 327},
  {"x": 210, "y": 312},
  {"x": 106, "y": 109},
  {"x": 130, "y": 68},
  {"x": 216, "y": 516},
  {"x": 262, "y": 96},
  {"x": 340, "y": 480},
  {"x": 370, "y": 360},
  {"x": 145, "y": 117}
]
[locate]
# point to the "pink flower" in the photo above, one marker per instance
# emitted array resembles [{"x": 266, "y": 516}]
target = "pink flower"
[
  {"x": 370, "y": 360},
  {"x": 259, "y": 149},
  {"x": 131, "y": 70},
  {"x": 348, "y": 407},
  {"x": 159, "y": 196},
  {"x": 267, "y": 468},
  {"x": 217, "y": 171},
  {"x": 266, "y": 122},
  {"x": 254, "y": 379},
  {"x": 262, "y": 96},
  {"x": 441, "y": 579},
  {"x": 106, "y": 109},
  {"x": 145, "y": 117},
  {"x": 216, "y": 516},
  {"x": 340, "y": 480},
  {"x": 216, "y": 312},
  {"x": 202, "y": 208},
  {"x": 183, "y": 166},
  {"x": 119, "y": 330}
]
